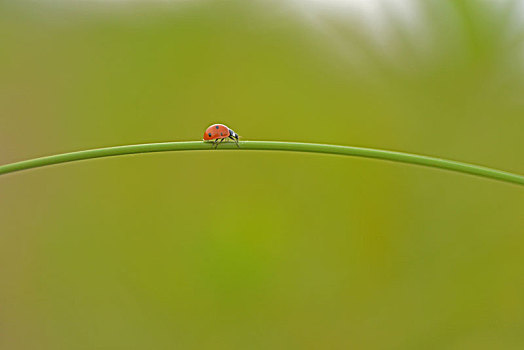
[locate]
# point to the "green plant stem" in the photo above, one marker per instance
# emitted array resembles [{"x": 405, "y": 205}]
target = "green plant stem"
[{"x": 267, "y": 146}]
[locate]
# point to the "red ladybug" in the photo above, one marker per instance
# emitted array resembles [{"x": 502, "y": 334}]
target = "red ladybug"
[{"x": 220, "y": 132}]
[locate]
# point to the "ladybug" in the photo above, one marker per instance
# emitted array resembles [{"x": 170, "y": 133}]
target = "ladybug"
[{"x": 218, "y": 133}]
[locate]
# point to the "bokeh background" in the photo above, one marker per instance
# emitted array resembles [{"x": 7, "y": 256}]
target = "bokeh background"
[{"x": 256, "y": 250}]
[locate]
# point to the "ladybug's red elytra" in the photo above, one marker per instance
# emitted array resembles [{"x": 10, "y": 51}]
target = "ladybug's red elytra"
[{"x": 218, "y": 133}]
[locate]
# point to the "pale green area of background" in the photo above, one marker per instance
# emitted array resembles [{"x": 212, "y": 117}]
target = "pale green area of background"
[{"x": 254, "y": 250}]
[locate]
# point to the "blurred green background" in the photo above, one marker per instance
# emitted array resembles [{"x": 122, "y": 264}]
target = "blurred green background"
[{"x": 259, "y": 250}]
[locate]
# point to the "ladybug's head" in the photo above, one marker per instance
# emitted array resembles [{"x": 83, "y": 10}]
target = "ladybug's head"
[{"x": 233, "y": 134}]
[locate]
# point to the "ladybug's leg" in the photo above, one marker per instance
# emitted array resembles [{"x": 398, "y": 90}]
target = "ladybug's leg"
[
  {"x": 218, "y": 142},
  {"x": 234, "y": 139}
]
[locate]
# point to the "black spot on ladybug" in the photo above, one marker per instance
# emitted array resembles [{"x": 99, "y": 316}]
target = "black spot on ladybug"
[
  {"x": 209, "y": 134},
  {"x": 216, "y": 126},
  {"x": 221, "y": 134}
]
